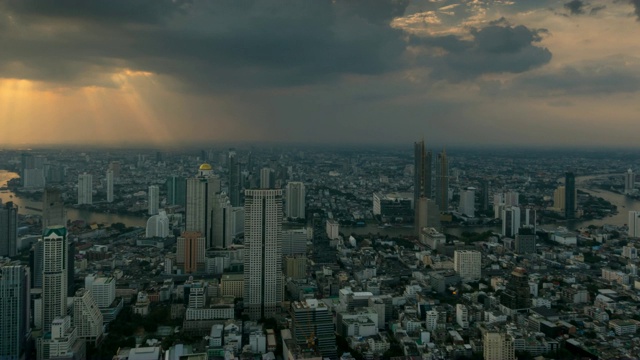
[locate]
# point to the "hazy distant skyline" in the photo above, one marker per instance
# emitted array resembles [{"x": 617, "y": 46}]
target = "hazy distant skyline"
[{"x": 464, "y": 73}]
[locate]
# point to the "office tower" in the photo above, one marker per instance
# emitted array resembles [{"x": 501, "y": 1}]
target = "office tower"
[
  {"x": 263, "y": 252},
  {"x": 296, "y": 200},
  {"x": 103, "y": 289},
  {"x": 468, "y": 264},
  {"x": 153, "y": 199},
  {"x": 516, "y": 294},
  {"x": 634, "y": 224},
  {"x": 15, "y": 310},
  {"x": 526, "y": 241},
  {"x": 190, "y": 252},
  {"x": 235, "y": 180},
  {"x": 570, "y": 196},
  {"x": 36, "y": 261},
  {"x": 512, "y": 198},
  {"x": 498, "y": 346},
  {"x": 510, "y": 221},
  {"x": 558, "y": 198},
  {"x": 267, "y": 178},
  {"x": 62, "y": 342},
  {"x": 52, "y": 208},
  {"x": 468, "y": 202},
  {"x": 421, "y": 181},
  {"x": 484, "y": 202},
  {"x": 295, "y": 267},
  {"x": 116, "y": 167},
  {"x": 176, "y": 191},
  {"x": 87, "y": 317},
  {"x": 110, "y": 186},
  {"x": 71, "y": 263},
  {"x": 223, "y": 222},
  {"x": 442, "y": 181},
  {"x": 294, "y": 242},
  {"x": 85, "y": 189},
  {"x": 8, "y": 229},
  {"x": 54, "y": 275},
  {"x": 158, "y": 226},
  {"x": 312, "y": 327},
  {"x": 201, "y": 197},
  {"x": 629, "y": 181}
]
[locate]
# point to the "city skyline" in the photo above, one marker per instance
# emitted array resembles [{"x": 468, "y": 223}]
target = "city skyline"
[{"x": 462, "y": 72}]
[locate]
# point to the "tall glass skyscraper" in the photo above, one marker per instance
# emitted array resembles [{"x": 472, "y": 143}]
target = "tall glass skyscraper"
[
  {"x": 8, "y": 229},
  {"x": 14, "y": 312},
  {"x": 442, "y": 181},
  {"x": 570, "y": 195},
  {"x": 421, "y": 181}
]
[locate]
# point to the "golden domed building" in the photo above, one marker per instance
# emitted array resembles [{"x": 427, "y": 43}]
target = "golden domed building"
[{"x": 205, "y": 170}]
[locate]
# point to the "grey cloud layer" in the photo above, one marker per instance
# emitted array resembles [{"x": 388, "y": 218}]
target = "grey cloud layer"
[{"x": 239, "y": 44}]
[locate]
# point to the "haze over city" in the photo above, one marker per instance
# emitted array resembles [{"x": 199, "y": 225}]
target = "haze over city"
[{"x": 532, "y": 73}]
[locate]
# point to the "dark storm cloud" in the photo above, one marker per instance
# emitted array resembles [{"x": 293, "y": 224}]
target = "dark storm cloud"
[
  {"x": 576, "y": 7},
  {"x": 636, "y": 5},
  {"x": 493, "y": 49}
]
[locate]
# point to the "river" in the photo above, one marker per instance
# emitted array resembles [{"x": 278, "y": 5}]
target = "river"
[{"x": 72, "y": 214}]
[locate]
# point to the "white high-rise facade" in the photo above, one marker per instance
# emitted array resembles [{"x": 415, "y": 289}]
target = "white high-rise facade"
[
  {"x": 468, "y": 202},
  {"x": 510, "y": 221},
  {"x": 85, "y": 189},
  {"x": 87, "y": 317},
  {"x": 153, "y": 199},
  {"x": 296, "y": 200},
  {"x": 103, "y": 289},
  {"x": 634, "y": 224},
  {"x": 54, "y": 275},
  {"x": 263, "y": 252},
  {"x": 468, "y": 264},
  {"x": 201, "y": 197},
  {"x": 498, "y": 346},
  {"x": 109, "y": 185},
  {"x": 629, "y": 181}
]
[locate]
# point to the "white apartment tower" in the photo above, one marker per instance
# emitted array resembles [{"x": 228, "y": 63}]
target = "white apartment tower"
[
  {"x": 154, "y": 199},
  {"x": 87, "y": 317},
  {"x": 103, "y": 289},
  {"x": 296, "y": 200},
  {"x": 54, "y": 275},
  {"x": 263, "y": 252},
  {"x": 109, "y": 186},
  {"x": 467, "y": 263},
  {"x": 85, "y": 189}
]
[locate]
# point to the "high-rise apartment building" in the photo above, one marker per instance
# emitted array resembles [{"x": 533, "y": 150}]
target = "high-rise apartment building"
[
  {"x": 442, "y": 181},
  {"x": 52, "y": 208},
  {"x": 87, "y": 318},
  {"x": 468, "y": 264},
  {"x": 235, "y": 180},
  {"x": 510, "y": 221},
  {"x": 313, "y": 327},
  {"x": 296, "y": 200},
  {"x": 516, "y": 295},
  {"x": 498, "y": 346},
  {"x": 201, "y": 198},
  {"x": 421, "y": 181},
  {"x": 634, "y": 224},
  {"x": 468, "y": 202},
  {"x": 267, "y": 178},
  {"x": 176, "y": 191},
  {"x": 294, "y": 242},
  {"x": 263, "y": 252},
  {"x": 110, "y": 179},
  {"x": 8, "y": 229},
  {"x": 15, "y": 310},
  {"x": 85, "y": 189},
  {"x": 190, "y": 252},
  {"x": 103, "y": 289},
  {"x": 629, "y": 181},
  {"x": 223, "y": 222},
  {"x": 54, "y": 275},
  {"x": 153, "y": 199},
  {"x": 570, "y": 196}
]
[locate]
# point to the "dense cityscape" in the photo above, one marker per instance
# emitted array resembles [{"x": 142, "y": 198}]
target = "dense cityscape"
[{"x": 314, "y": 253}]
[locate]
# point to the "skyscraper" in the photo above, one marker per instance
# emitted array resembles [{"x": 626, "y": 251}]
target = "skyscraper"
[
  {"x": 570, "y": 196},
  {"x": 313, "y": 327},
  {"x": 296, "y": 200},
  {"x": 190, "y": 252},
  {"x": 176, "y": 191},
  {"x": 421, "y": 181},
  {"x": 201, "y": 197},
  {"x": 484, "y": 202},
  {"x": 54, "y": 276},
  {"x": 154, "y": 199},
  {"x": 510, "y": 221},
  {"x": 52, "y": 208},
  {"x": 634, "y": 224},
  {"x": 87, "y": 317},
  {"x": 222, "y": 222},
  {"x": 9, "y": 229},
  {"x": 267, "y": 178},
  {"x": 234, "y": 179},
  {"x": 109, "y": 186},
  {"x": 629, "y": 181},
  {"x": 85, "y": 189},
  {"x": 468, "y": 202},
  {"x": 442, "y": 181},
  {"x": 14, "y": 312},
  {"x": 263, "y": 252},
  {"x": 516, "y": 295}
]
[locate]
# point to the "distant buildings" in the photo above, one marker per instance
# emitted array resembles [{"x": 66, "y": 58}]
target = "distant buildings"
[
  {"x": 510, "y": 221},
  {"x": 442, "y": 181},
  {"x": 498, "y": 346},
  {"x": 468, "y": 202},
  {"x": 8, "y": 229},
  {"x": 153, "y": 199},
  {"x": 516, "y": 295},
  {"x": 52, "y": 208},
  {"x": 312, "y": 327},
  {"x": 201, "y": 198},
  {"x": 525, "y": 241},
  {"x": 235, "y": 179},
  {"x": 333, "y": 229},
  {"x": 190, "y": 252},
  {"x": 158, "y": 226},
  {"x": 629, "y": 182},
  {"x": 15, "y": 310},
  {"x": 422, "y": 180},
  {"x": 393, "y": 206},
  {"x": 110, "y": 180},
  {"x": 634, "y": 224},
  {"x": 468, "y": 264},
  {"x": 570, "y": 196},
  {"x": 85, "y": 189},
  {"x": 263, "y": 252},
  {"x": 176, "y": 191},
  {"x": 296, "y": 193}
]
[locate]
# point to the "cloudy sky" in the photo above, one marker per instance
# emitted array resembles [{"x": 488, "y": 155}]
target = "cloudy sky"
[{"x": 466, "y": 72}]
